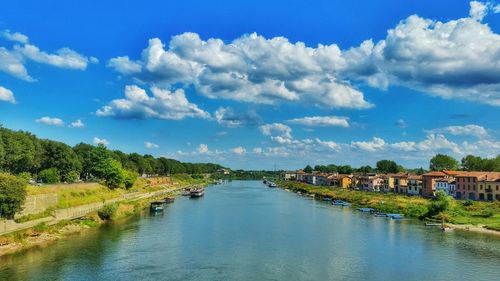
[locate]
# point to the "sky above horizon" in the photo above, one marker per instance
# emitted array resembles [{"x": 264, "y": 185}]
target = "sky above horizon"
[{"x": 257, "y": 85}]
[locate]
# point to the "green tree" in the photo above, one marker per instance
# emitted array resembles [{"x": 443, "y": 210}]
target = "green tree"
[
  {"x": 12, "y": 195},
  {"x": 308, "y": 169},
  {"x": 50, "y": 176},
  {"x": 129, "y": 178},
  {"x": 111, "y": 172},
  {"x": 344, "y": 169},
  {"x": 60, "y": 156},
  {"x": 443, "y": 162},
  {"x": 387, "y": 166},
  {"x": 440, "y": 204}
]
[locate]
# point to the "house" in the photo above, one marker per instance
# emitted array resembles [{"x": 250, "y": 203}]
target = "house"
[
  {"x": 343, "y": 181},
  {"x": 467, "y": 184},
  {"x": 316, "y": 179},
  {"x": 428, "y": 180},
  {"x": 401, "y": 183},
  {"x": 370, "y": 182},
  {"x": 445, "y": 184},
  {"x": 388, "y": 183},
  {"x": 414, "y": 185},
  {"x": 223, "y": 171},
  {"x": 291, "y": 175},
  {"x": 489, "y": 188}
]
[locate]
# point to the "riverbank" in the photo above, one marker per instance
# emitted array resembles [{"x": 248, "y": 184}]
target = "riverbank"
[
  {"x": 481, "y": 217},
  {"x": 44, "y": 234}
]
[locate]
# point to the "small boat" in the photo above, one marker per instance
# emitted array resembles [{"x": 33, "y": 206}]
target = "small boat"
[
  {"x": 186, "y": 192},
  {"x": 197, "y": 192},
  {"x": 379, "y": 214},
  {"x": 445, "y": 229},
  {"x": 395, "y": 216},
  {"x": 432, "y": 224},
  {"x": 366, "y": 210},
  {"x": 169, "y": 199},
  {"x": 327, "y": 199},
  {"x": 340, "y": 203},
  {"x": 272, "y": 185},
  {"x": 156, "y": 206}
]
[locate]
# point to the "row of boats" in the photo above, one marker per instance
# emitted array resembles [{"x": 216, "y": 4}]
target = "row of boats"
[
  {"x": 159, "y": 206},
  {"x": 372, "y": 211}
]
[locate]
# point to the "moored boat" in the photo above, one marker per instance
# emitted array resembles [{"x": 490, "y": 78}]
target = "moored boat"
[
  {"x": 340, "y": 203},
  {"x": 169, "y": 199},
  {"x": 395, "y": 216},
  {"x": 366, "y": 210},
  {"x": 197, "y": 192},
  {"x": 156, "y": 206},
  {"x": 186, "y": 191}
]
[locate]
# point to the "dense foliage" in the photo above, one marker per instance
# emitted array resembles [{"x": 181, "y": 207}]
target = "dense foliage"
[
  {"x": 443, "y": 162},
  {"x": 52, "y": 161},
  {"x": 12, "y": 195}
]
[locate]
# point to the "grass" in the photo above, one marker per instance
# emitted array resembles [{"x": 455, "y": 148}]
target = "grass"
[{"x": 459, "y": 212}]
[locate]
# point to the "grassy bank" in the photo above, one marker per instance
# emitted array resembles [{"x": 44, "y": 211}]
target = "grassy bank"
[{"x": 484, "y": 214}]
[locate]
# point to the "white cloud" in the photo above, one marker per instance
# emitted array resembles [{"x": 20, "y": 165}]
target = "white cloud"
[
  {"x": 328, "y": 144},
  {"x": 150, "y": 145},
  {"x": 279, "y": 129},
  {"x": 124, "y": 65},
  {"x": 14, "y": 36},
  {"x": 404, "y": 146},
  {"x": 13, "y": 61},
  {"x": 228, "y": 117},
  {"x": 438, "y": 143},
  {"x": 472, "y": 130},
  {"x": 50, "y": 121},
  {"x": 249, "y": 69},
  {"x": 321, "y": 121},
  {"x": 239, "y": 150},
  {"x": 257, "y": 150},
  {"x": 478, "y": 10},
  {"x": 164, "y": 104},
  {"x": 99, "y": 141},
  {"x": 6, "y": 95},
  {"x": 77, "y": 124},
  {"x": 203, "y": 148},
  {"x": 452, "y": 59},
  {"x": 371, "y": 146}
]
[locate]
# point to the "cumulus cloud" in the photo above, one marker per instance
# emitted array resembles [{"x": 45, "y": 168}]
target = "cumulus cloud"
[
  {"x": 51, "y": 121},
  {"x": 371, "y": 146},
  {"x": 249, "y": 69},
  {"x": 13, "y": 61},
  {"x": 77, "y": 124},
  {"x": 164, "y": 104},
  {"x": 239, "y": 150},
  {"x": 150, "y": 145},
  {"x": 471, "y": 130},
  {"x": 99, "y": 141},
  {"x": 203, "y": 148},
  {"x": 321, "y": 121},
  {"x": 228, "y": 117},
  {"x": 277, "y": 131},
  {"x": 452, "y": 59},
  {"x": 14, "y": 36},
  {"x": 6, "y": 95},
  {"x": 401, "y": 124}
]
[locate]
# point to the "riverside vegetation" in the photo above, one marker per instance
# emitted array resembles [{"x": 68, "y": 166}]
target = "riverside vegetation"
[{"x": 443, "y": 207}]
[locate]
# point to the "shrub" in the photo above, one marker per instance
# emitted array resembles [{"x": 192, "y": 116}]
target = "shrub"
[
  {"x": 40, "y": 227},
  {"x": 107, "y": 211},
  {"x": 50, "y": 176},
  {"x": 72, "y": 176},
  {"x": 440, "y": 204},
  {"x": 25, "y": 176},
  {"x": 12, "y": 195},
  {"x": 129, "y": 178},
  {"x": 468, "y": 202}
]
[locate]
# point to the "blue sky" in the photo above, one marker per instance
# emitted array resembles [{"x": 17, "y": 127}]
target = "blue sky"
[{"x": 252, "y": 85}]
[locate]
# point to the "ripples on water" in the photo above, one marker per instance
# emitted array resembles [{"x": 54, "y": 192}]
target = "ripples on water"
[{"x": 246, "y": 231}]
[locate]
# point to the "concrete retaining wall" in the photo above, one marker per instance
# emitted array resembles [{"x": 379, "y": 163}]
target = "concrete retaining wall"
[
  {"x": 8, "y": 226},
  {"x": 35, "y": 204}
]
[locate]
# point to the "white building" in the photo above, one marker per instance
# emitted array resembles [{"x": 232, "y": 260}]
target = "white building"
[{"x": 446, "y": 185}]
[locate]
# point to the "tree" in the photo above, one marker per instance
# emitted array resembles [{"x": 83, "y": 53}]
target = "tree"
[
  {"x": 308, "y": 169},
  {"x": 439, "y": 204},
  {"x": 345, "y": 169},
  {"x": 365, "y": 169},
  {"x": 387, "y": 166},
  {"x": 443, "y": 162},
  {"x": 50, "y": 176},
  {"x": 111, "y": 172},
  {"x": 60, "y": 156},
  {"x": 12, "y": 195},
  {"x": 129, "y": 178}
]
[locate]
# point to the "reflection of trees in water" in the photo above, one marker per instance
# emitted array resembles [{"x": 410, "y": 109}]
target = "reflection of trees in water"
[{"x": 82, "y": 255}]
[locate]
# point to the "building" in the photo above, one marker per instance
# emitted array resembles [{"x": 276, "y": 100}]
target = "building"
[
  {"x": 467, "y": 185},
  {"x": 429, "y": 179},
  {"x": 370, "y": 182},
  {"x": 445, "y": 184},
  {"x": 489, "y": 188},
  {"x": 401, "y": 183},
  {"x": 224, "y": 171},
  {"x": 316, "y": 179},
  {"x": 388, "y": 183},
  {"x": 414, "y": 185},
  {"x": 343, "y": 181}
]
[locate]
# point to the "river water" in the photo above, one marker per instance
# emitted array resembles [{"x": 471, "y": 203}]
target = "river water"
[{"x": 246, "y": 231}]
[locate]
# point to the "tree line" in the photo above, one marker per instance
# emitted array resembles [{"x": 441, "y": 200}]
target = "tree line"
[
  {"x": 22, "y": 153},
  {"x": 437, "y": 163}
]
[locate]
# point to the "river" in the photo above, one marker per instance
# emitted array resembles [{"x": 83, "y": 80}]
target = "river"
[{"x": 246, "y": 231}]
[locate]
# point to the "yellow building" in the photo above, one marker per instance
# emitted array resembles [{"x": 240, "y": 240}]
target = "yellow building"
[
  {"x": 344, "y": 181},
  {"x": 488, "y": 189}
]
